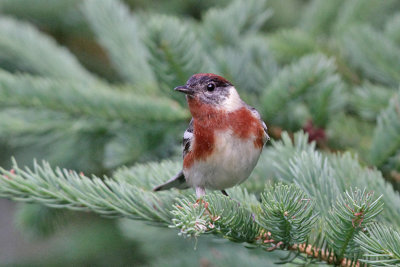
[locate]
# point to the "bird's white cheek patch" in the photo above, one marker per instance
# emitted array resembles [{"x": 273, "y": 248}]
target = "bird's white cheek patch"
[{"x": 233, "y": 101}]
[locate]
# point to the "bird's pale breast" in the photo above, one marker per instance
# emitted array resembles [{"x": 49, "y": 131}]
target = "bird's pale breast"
[{"x": 225, "y": 149}]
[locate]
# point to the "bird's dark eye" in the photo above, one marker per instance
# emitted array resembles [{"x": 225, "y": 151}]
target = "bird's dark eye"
[{"x": 210, "y": 87}]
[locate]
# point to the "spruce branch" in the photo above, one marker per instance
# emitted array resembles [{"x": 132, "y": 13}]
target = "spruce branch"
[
  {"x": 314, "y": 174},
  {"x": 381, "y": 245},
  {"x": 101, "y": 142},
  {"x": 274, "y": 163},
  {"x": 175, "y": 53},
  {"x": 349, "y": 172},
  {"x": 392, "y": 29},
  {"x": 373, "y": 53},
  {"x": 27, "y": 48},
  {"x": 311, "y": 80},
  {"x": 386, "y": 141},
  {"x": 129, "y": 143},
  {"x": 148, "y": 175},
  {"x": 315, "y": 216},
  {"x": 121, "y": 34},
  {"x": 348, "y": 216},
  {"x": 287, "y": 213},
  {"x": 253, "y": 53},
  {"x": 320, "y": 16},
  {"x": 349, "y": 132},
  {"x": 291, "y": 44},
  {"x": 61, "y": 188},
  {"x": 363, "y": 11},
  {"x": 215, "y": 214},
  {"x": 52, "y": 134},
  {"x": 50, "y": 15},
  {"x": 246, "y": 198},
  {"x": 225, "y": 27},
  {"x": 331, "y": 174},
  {"x": 297, "y": 162},
  {"x": 80, "y": 98},
  {"x": 129, "y": 195},
  {"x": 369, "y": 100},
  {"x": 23, "y": 126}
]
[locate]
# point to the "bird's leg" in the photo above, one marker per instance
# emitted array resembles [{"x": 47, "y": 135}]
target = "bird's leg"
[
  {"x": 224, "y": 193},
  {"x": 200, "y": 192}
]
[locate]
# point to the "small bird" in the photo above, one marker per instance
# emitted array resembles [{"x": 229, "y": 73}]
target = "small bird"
[{"x": 224, "y": 139}]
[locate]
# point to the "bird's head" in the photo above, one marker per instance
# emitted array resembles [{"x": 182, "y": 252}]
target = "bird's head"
[{"x": 211, "y": 89}]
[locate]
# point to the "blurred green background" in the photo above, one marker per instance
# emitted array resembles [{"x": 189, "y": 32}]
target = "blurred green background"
[{"x": 329, "y": 68}]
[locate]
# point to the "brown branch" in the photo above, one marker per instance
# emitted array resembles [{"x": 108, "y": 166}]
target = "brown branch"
[
  {"x": 322, "y": 255},
  {"x": 309, "y": 250}
]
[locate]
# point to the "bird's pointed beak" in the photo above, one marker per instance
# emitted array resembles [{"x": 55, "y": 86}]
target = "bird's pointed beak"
[{"x": 184, "y": 89}]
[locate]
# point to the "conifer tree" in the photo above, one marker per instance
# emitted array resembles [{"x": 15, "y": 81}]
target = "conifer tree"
[{"x": 327, "y": 82}]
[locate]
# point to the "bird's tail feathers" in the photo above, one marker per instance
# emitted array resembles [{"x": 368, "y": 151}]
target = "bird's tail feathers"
[{"x": 178, "y": 181}]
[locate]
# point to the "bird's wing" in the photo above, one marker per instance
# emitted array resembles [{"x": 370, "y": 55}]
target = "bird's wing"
[
  {"x": 255, "y": 113},
  {"x": 187, "y": 139}
]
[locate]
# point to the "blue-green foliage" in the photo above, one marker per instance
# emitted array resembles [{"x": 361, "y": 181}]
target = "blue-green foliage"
[{"x": 328, "y": 67}]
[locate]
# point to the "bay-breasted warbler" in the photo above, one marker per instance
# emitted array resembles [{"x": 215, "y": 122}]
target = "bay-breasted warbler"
[{"x": 224, "y": 139}]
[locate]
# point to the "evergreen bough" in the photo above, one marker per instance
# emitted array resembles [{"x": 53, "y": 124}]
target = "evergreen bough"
[
  {"x": 284, "y": 219},
  {"x": 339, "y": 67}
]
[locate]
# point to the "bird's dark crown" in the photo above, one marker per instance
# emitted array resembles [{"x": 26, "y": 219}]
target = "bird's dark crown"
[{"x": 205, "y": 78}]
